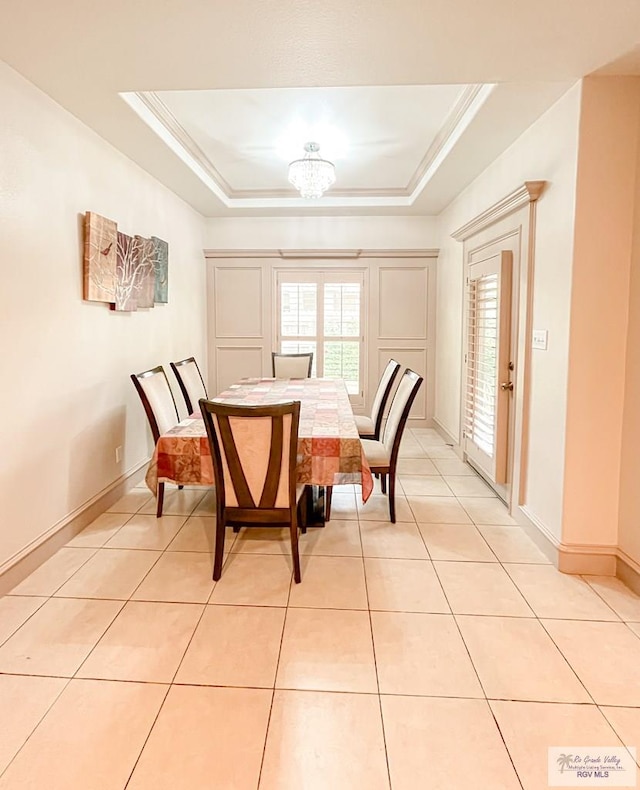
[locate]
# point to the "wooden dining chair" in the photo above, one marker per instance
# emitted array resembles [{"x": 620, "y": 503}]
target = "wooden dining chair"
[
  {"x": 382, "y": 455},
  {"x": 370, "y": 427},
  {"x": 291, "y": 366},
  {"x": 254, "y": 451},
  {"x": 160, "y": 407},
  {"x": 191, "y": 382}
]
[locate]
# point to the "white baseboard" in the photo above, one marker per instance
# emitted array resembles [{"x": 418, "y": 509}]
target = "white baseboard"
[
  {"x": 447, "y": 436},
  {"x": 628, "y": 570},
  {"x": 25, "y": 561}
]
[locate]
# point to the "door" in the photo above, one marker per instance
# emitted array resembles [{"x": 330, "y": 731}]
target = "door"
[{"x": 489, "y": 382}]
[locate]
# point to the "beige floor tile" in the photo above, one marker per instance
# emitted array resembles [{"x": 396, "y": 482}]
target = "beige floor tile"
[
  {"x": 468, "y": 486},
  {"x": 254, "y": 580},
  {"x": 99, "y": 531},
  {"x": 513, "y": 545},
  {"x": 487, "y": 511},
  {"x": 330, "y": 583},
  {"x": 178, "y": 577},
  {"x": 318, "y": 741},
  {"x": 443, "y": 453},
  {"x": 82, "y": 743},
  {"x": 516, "y": 659},
  {"x": 427, "y": 437},
  {"x": 199, "y": 534},
  {"x": 205, "y": 738},
  {"x": 259, "y": 540},
  {"x": 53, "y": 573},
  {"x": 335, "y": 539},
  {"x": 401, "y": 540},
  {"x": 207, "y": 505},
  {"x": 425, "y": 737},
  {"x": 438, "y": 510},
  {"x": 481, "y": 588},
  {"x": 615, "y": 592},
  {"x": 449, "y": 466},
  {"x": 344, "y": 507},
  {"x": 404, "y": 586},
  {"x": 145, "y": 642},
  {"x": 147, "y": 532},
  {"x": 58, "y": 637},
  {"x": 176, "y": 502},
  {"x": 554, "y": 594},
  {"x": 132, "y": 501},
  {"x": 424, "y": 485},
  {"x": 376, "y": 508},
  {"x": 460, "y": 542},
  {"x": 110, "y": 573},
  {"x": 14, "y": 611},
  {"x": 635, "y": 627},
  {"x": 327, "y": 650},
  {"x": 416, "y": 466},
  {"x": 626, "y": 723},
  {"x": 412, "y": 450},
  {"x": 23, "y": 702},
  {"x": 246, "y": 642},
  {"x": 422, "y": 654},
  {"x": 530, "y": 728},
  {"x": 605, "y": 656}
]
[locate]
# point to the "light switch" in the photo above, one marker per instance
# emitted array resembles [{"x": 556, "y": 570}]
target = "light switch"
[{"x": 540, "y": 339}]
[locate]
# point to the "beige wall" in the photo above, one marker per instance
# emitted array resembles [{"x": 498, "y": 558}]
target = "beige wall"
[
  {"x": 66, "y": 398},
  {"x": 317, "y": 233},
  {"x": 548, "y": 151},
  {"x": 605, "y": 198},
  {"x": 629, "y": 518}
]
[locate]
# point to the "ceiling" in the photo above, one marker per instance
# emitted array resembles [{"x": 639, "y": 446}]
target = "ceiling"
[{"x": 411, "y": 99}]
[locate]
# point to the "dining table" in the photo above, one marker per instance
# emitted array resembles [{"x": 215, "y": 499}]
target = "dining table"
[{"x": 330, "y": 452}]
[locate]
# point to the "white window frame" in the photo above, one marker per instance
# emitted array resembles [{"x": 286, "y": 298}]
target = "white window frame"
[{"x": 321, "y": 277}]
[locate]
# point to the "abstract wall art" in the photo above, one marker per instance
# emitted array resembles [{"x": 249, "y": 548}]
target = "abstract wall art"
[{"x": 127, "y": 272}]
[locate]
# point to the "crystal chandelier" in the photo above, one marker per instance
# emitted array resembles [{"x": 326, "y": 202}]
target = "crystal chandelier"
[{"x": 311, "y": 175}]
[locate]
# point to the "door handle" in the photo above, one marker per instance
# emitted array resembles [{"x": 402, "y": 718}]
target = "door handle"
[{"x": 507, "y": 385}]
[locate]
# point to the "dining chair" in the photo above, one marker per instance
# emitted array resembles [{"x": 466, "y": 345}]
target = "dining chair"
[
  {"x": 254, "y": 451},
  {"x": 382, "y": 455},
  {"x": 160, "y": 407},
  {"x": 291, "y": 366},
  {"x": 191, "y": 382},
  {"x": 369, "y": 427}
]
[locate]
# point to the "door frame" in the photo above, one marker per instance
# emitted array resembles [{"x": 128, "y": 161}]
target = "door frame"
[{"x": 514, "y": 214}]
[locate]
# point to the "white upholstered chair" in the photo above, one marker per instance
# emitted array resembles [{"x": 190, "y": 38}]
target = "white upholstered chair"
[
  {"x": 291, "y": 366},
  {"x": 369, "y": 427},
  {"x": 191, "y": 382},
  {"x": 382, "y": 455},
  {"x": 160, "y": 407}
]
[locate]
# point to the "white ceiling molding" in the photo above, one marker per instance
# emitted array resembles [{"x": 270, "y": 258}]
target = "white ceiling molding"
[
  {"x": 154, "y": 112},
  {"x": 529, "y": 192},
  {"x": 321, "y": 253}
]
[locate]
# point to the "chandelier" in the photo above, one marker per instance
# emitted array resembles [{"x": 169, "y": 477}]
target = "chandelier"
[{"x": 311, "y": 175}]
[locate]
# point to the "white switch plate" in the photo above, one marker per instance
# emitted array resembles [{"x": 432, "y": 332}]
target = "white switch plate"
[{"x": 540, "y": 339}]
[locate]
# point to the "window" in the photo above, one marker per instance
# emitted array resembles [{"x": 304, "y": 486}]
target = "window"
[{"x": 321, "y": 311}]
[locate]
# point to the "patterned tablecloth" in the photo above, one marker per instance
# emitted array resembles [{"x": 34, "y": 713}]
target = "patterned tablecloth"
[{"x": 329, "y": 447}]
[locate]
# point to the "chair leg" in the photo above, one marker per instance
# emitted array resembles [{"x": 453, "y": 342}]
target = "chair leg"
[
  {"x": 392, "y": 498},
  {"x": 219, "y": 550},
  {"x": 236, "y": 528},
  {"x": 328, "y": 491},
  {"x": 383, "y": 483},
  {"x": 294, "y": 550},
  {"x": 160, "y": 499}
]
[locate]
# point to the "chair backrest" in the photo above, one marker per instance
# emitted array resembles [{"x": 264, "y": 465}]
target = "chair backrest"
[
  {"x": 191, "y": 382},
  {"x": 291, "y": 366},
  {"x": 157, "y": 399},
  {"x": 254, "y": 451},
  {"x": 382, "y": 395},
  {"x": 399, "y": 412}
]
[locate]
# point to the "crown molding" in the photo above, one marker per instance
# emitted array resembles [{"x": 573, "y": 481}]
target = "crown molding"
[
  {"x": 529, "y": 192},
  {"x": 320, "y": 254}
]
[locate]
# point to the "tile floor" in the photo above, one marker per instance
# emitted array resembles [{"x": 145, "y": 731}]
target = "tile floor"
[{"x": 443, "y": 651}]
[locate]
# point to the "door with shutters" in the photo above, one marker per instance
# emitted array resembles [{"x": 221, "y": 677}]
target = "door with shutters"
[{"x": 489, "y": 380}]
